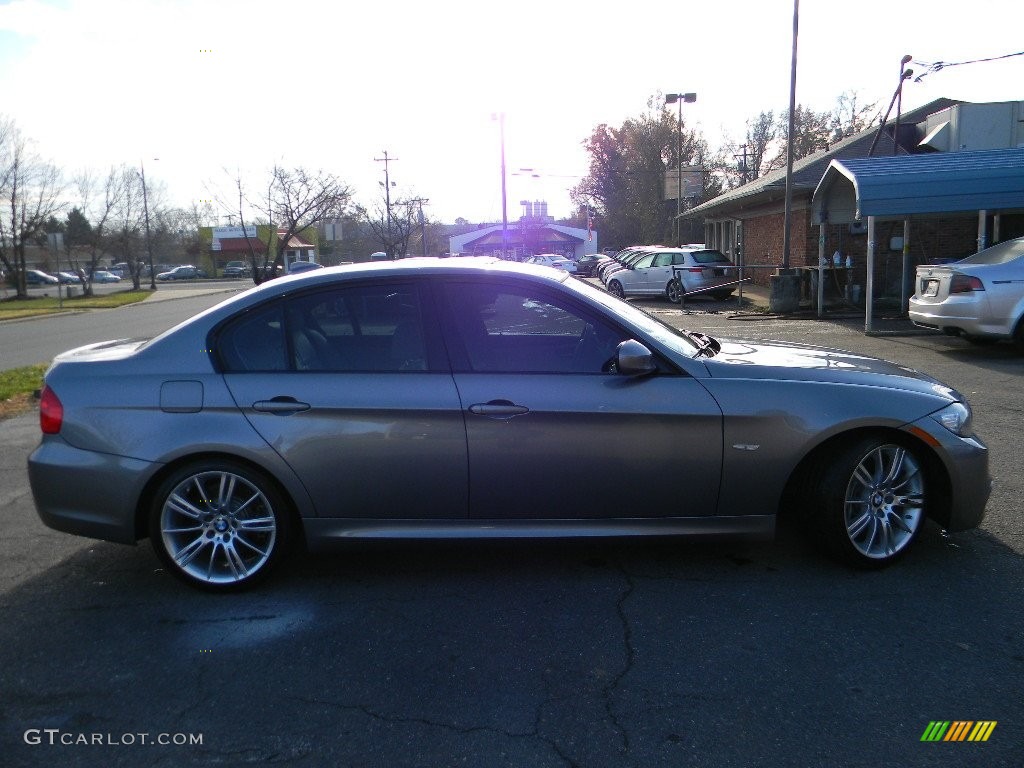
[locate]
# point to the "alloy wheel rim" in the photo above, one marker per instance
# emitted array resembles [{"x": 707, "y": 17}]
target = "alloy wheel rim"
[
  {"x": 884, "y": 502},
  {"x": 218, "y": 527}
]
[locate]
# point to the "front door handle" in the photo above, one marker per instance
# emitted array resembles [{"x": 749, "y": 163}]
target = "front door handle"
[
  {"x": 498, "y": 409},
  {"x": 281, "y": 405}
]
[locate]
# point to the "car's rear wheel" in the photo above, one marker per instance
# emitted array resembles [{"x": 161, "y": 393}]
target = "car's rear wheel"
[
  {"x": 870, "y": 501},
  {"x": 674, "y": 291},
  {"x": 615, "y": 288},
  {"x": 218, "y": 525}
]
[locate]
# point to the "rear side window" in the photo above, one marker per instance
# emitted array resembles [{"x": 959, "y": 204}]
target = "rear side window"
[
  {"x": 254, "y": 342},
  {"x": 710, "y": 257},
  {"x": 362, "y": 328}
]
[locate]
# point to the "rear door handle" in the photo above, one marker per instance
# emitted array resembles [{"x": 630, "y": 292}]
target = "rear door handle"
[
  {"x": 281, "y": 404},
  {"x": 498, "y": 409}
]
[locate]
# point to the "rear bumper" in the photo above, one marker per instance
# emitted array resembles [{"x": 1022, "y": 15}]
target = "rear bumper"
[
  {"x": 106, "y": 490},
  {"x": 963, "y": 318}
]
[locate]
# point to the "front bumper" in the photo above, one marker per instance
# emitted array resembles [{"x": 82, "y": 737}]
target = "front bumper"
[{"x": 965, "y": 460}]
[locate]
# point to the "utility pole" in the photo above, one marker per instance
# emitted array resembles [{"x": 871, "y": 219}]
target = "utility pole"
[
  {"x": 744, "y": 169},
  {"x": 387, "y": 196}
]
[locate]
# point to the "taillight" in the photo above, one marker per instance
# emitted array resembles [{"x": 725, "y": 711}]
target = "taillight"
[
  {"x": 51, "y": 412},
  {"x": 697, "y": 270},
  {"x": 965, "y": 284}
]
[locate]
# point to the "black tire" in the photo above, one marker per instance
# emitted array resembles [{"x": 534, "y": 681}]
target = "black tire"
[
  {"x": 219, "y": 525},
  {"x": 674, "y": 291},
  {"x": 869, "y": 501},
  {"x": 615, "y": 288}
]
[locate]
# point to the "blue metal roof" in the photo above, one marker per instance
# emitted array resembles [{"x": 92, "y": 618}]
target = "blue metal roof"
[{"x": 944, "y": 182}]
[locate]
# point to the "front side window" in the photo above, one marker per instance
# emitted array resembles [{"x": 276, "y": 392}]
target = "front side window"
[{"x": 517, "y": 329}]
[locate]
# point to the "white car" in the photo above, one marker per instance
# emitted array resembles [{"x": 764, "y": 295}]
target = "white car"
[
  {"x": 980, "y": 298},
  {"x": 553, "y": 260},
  {"x": 102, "y": 276},
  {"x": 674, "y": 272}
]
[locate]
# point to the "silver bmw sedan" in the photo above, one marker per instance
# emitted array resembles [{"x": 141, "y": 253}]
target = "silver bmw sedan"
[{"x": 480, "y": 398}]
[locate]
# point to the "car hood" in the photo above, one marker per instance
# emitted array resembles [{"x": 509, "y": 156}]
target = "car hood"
[{"x": 806, "y": 362}]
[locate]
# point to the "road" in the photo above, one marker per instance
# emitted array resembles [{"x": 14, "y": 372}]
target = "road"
[
  {"x": 612, "y": 653},
  {"x": 38, "y": 340}
]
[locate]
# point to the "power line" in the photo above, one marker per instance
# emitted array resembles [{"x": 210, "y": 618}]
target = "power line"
[{"x": 938, "y": 66}]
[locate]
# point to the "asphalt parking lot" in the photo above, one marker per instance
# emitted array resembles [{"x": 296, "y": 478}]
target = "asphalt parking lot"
[{"x": 599, "y": 653}]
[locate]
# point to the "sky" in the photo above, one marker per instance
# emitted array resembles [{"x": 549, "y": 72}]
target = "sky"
[{"x": 204, "y": 90}]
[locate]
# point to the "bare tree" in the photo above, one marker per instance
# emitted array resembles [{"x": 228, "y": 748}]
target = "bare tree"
[
  {"x": 298, "y": 199},
  {"x": 391, "y": 226},
  {"x": 849, "y": 117},
  {"x": 99, "y": 200},
  {"x": 31, "y": 191},
  {"x": 127, "y": 223}
]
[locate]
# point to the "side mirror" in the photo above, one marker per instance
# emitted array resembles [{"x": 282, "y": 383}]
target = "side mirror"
[{"x": 634, "y": 359}]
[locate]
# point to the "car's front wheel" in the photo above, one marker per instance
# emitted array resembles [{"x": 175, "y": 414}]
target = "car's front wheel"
[
  {"x": 870, "y": 501},
  {"x": 218, "y": 525},
  {"x": 615, "y": 288}
]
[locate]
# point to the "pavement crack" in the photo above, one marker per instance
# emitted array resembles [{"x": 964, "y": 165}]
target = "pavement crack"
[
  {"x": 608, "y": 691},
  {"x": 462, "y": 730}
]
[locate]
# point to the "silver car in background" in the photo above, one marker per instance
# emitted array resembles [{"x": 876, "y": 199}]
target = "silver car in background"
[
  {"x": 674, "y": 273},
  {"x": 437, "y": 398},
  {"x": 980, "y": 298}
]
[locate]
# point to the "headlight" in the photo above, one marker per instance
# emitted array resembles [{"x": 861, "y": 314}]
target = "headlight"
[{"x": 956, "y": 417}]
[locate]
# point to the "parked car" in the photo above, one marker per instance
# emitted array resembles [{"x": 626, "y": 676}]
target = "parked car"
[
  {"x": 38, "y": 277},
  {"x": 553, "y": 260},
  {"x": 671, "y": 272},
  {"x": 586, "y": 264},
  {"x": 237, "y": 269},
  {"x": 622, "y": 259},
  {"x": 435, "y": 398},
  {"x": 303, "y": 266},
  {"x": 102, "y": 276},
  {"x": 980, "y": 297},
  {"x": 184, "y": 272},
  {"x": 68, "y": 278}
]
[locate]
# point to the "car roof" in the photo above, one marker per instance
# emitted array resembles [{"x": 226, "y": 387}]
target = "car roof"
[{"x": 416, "y": 265}]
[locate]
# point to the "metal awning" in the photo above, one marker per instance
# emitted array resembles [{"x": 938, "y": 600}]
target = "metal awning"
[
  {"x": 908, "y": 185},
  {"x": 905, "y": 186}
]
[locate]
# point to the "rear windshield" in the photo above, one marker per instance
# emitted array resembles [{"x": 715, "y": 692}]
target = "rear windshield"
[
  {"x": 710, "y": 257},
  {"x": 997, "y": 254}
]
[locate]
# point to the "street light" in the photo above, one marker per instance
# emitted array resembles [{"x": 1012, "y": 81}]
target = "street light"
[
  {"x": 899, "y": 98},
  {"x": 679, "y": 98},
  {"x": 905, "y": 74},
  {"x": 149, "y": 244},
  {"x": 500, "y": 117}
]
